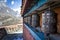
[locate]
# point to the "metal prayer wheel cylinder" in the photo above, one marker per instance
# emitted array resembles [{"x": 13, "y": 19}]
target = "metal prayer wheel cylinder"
[
  {"x": 49, "y": 22},
  {"x": 35, "y": 20},
  {"x": 26, "y": 20},
  {"x": 29, "y": 20}
]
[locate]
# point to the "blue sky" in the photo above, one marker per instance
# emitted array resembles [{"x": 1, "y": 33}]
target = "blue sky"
[{"x": 14, "y": 4}]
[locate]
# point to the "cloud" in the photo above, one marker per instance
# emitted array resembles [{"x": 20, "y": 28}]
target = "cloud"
[
  {"x": 18, "y": 10},
  {"x": 3, "y": 0},
  {"x": 12, "y": 2}
]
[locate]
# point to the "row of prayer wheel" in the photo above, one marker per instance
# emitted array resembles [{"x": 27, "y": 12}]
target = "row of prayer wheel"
[{"x": 48, "y": 21}]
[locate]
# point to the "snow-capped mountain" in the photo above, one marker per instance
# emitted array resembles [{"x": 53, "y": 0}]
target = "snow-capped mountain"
[{"x": 7, "y": 15}]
